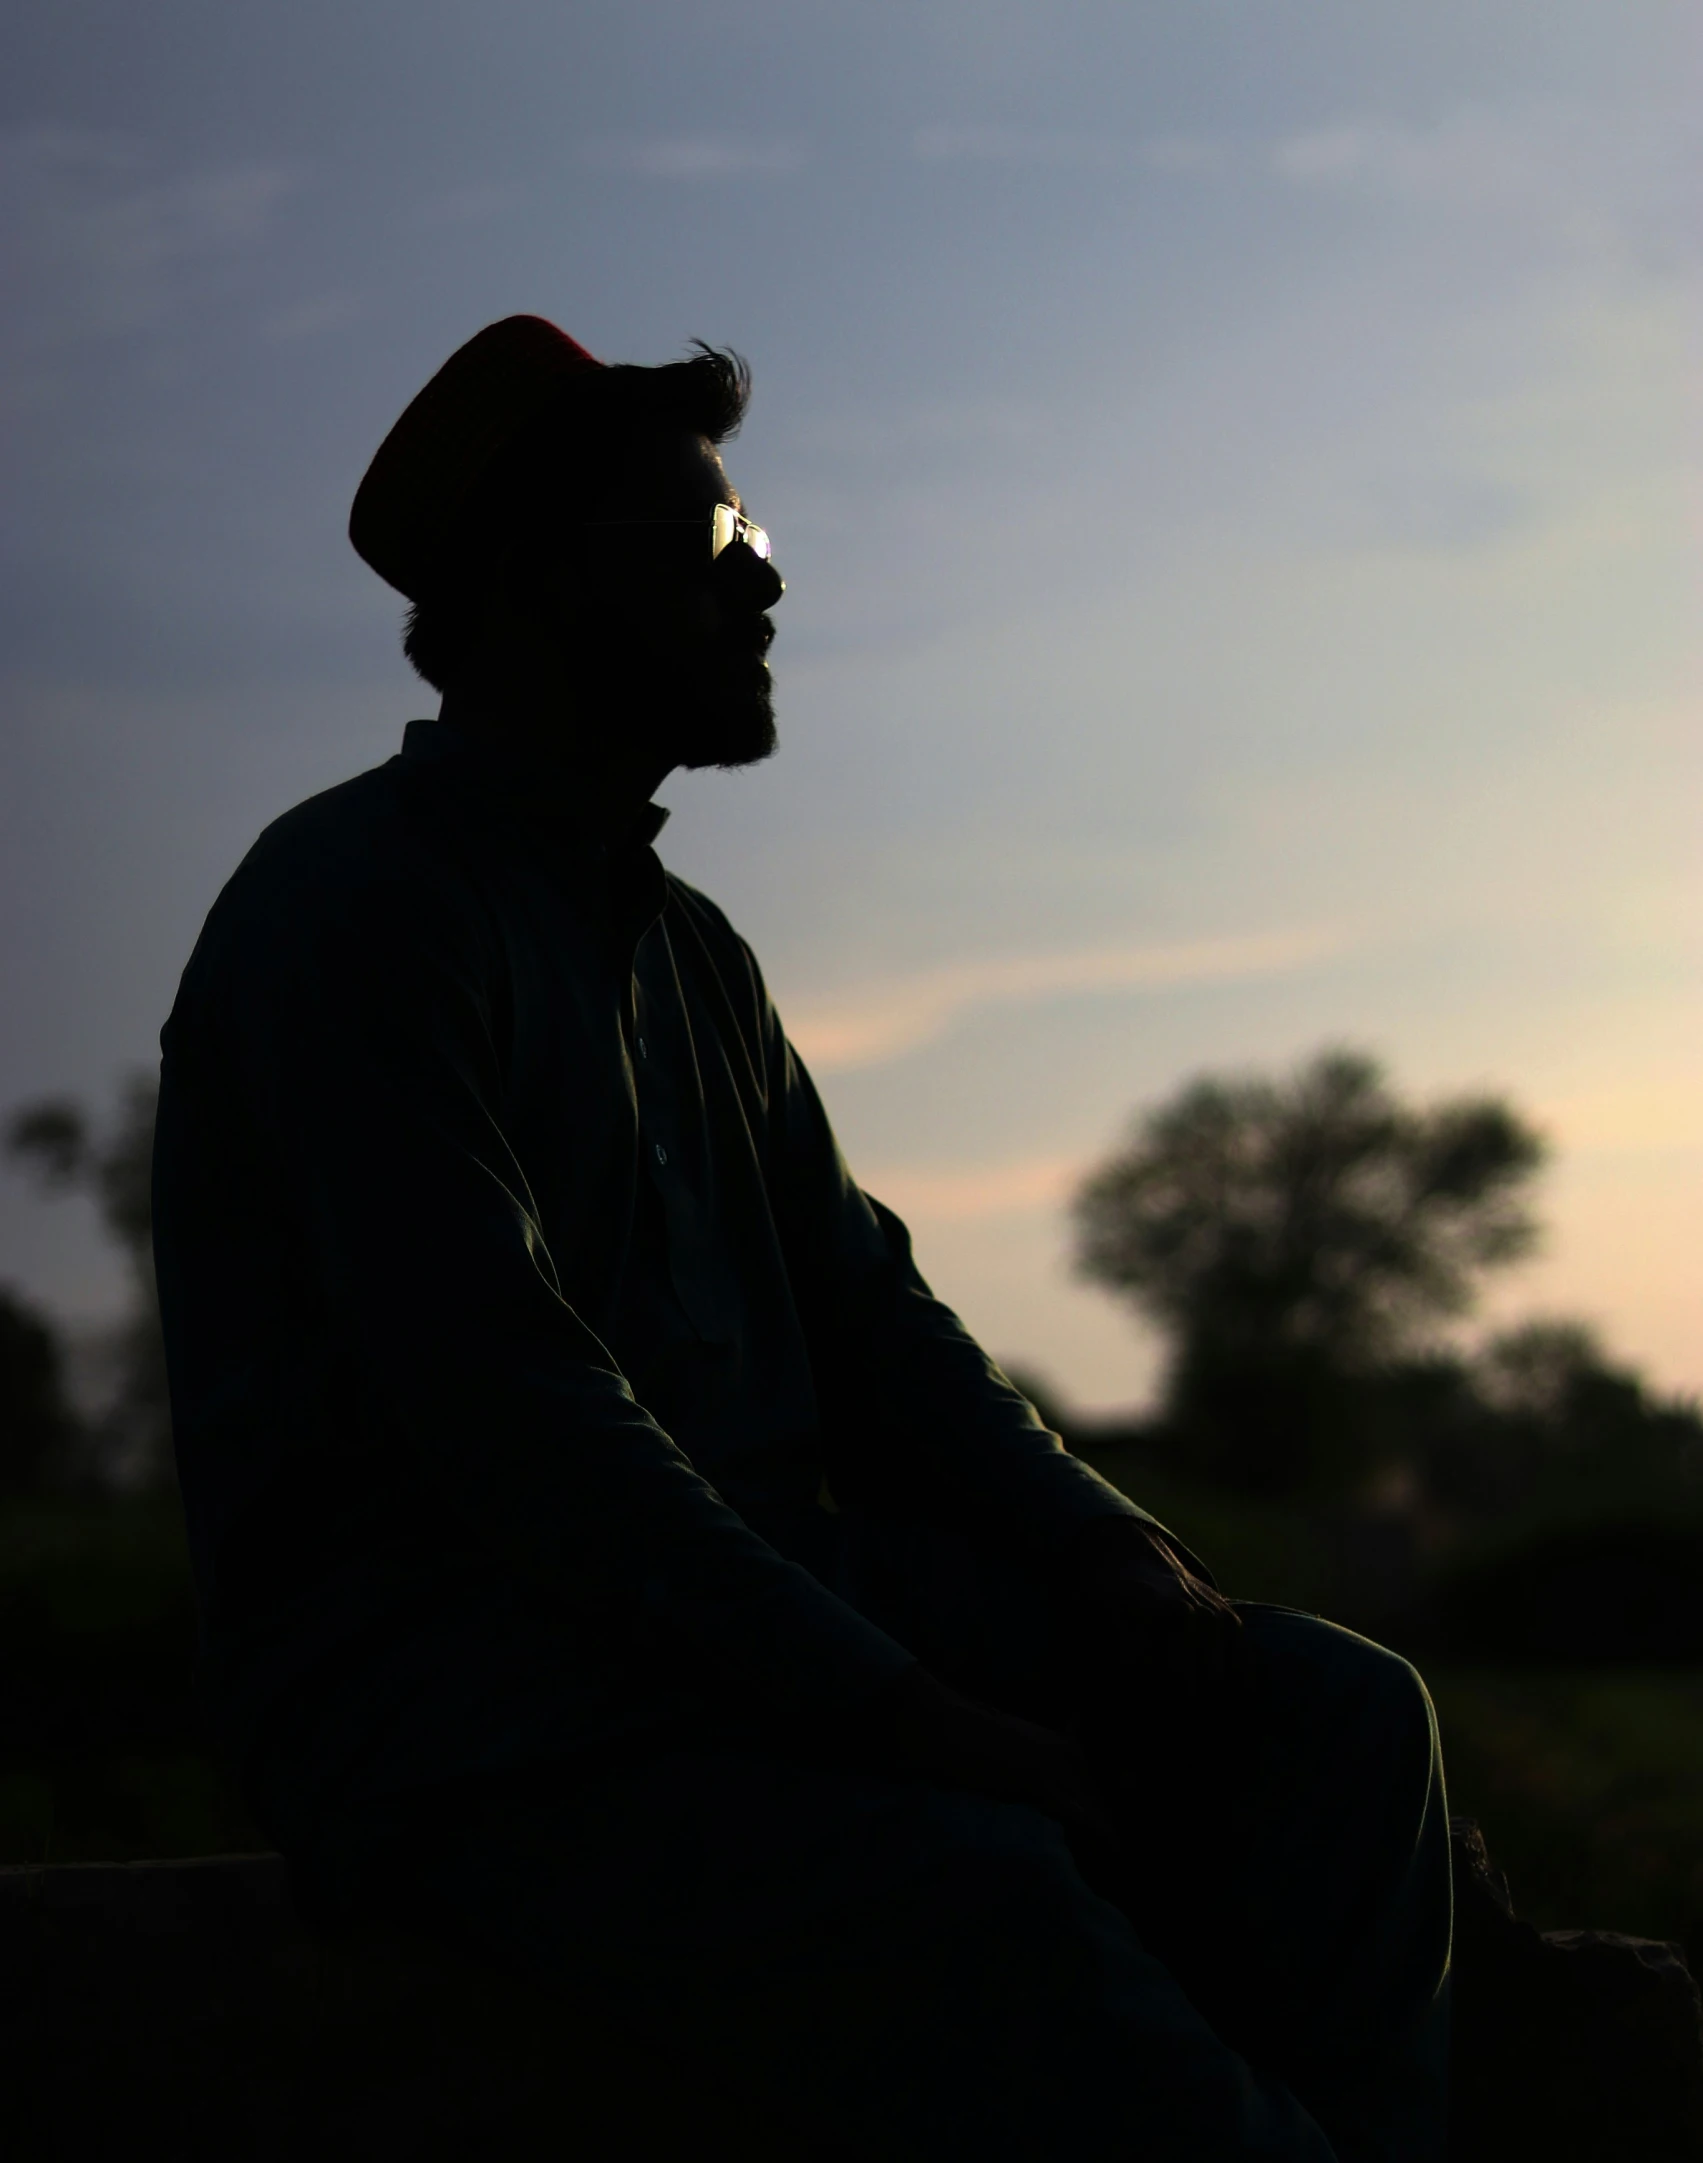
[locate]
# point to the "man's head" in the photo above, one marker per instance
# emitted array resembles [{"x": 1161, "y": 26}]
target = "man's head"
[{"x": 573, "y": 585}]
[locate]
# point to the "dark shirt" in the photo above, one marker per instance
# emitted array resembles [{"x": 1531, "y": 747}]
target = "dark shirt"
[{"x": 510, "y": 1274}]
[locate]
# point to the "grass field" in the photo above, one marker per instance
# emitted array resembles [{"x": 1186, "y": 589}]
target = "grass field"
[
  {"x": 1589, "y": 1786},
  {"x": 102, "y": 1753},
  {"x": 1588, "y": 1782}
]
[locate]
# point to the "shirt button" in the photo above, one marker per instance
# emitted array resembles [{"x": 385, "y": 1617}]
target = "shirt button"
[{"x": 661, "y": 1154}]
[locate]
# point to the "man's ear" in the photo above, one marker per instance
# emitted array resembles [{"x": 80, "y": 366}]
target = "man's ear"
[
  {"x": 552, "y": 594},
  {"x": 530, "y": 604}
]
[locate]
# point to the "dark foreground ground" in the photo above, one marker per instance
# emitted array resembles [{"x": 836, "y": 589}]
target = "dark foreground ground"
[{"x": 1587, "y": 1779}]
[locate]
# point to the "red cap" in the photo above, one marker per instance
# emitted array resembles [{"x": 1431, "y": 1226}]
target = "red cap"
[{"x": 428, "y": 468}]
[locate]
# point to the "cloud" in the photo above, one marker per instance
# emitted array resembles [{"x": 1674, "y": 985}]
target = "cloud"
[
  {"x": 312, "y": 317},
  {"x": 948, "y": 142},
  {"x": 890, "y": 1020},
  {"x": 945, "y": 142},
  {"x": 693, "y": 157},
  {"x": 94, "y": 233},
  {"x": 1184, "y": 154},
  {"x": 961, "y": 1193},
  {"x": 1598, "y": 174},
  {"x": 1433, "y": 506},
  {"x": 1468, "y": 160},
  {"x": 1659, "y": 1115},
  {"x": 474, "y": 204}
]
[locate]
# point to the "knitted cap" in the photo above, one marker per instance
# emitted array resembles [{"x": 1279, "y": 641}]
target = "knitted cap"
[{"x": 428, "y": 468}]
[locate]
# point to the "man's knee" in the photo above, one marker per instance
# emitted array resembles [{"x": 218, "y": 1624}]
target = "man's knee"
[{"x": 1331, "y": 1677}]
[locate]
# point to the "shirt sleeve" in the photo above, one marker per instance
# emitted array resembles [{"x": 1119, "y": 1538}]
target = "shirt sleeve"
[
  {"x": 918, "y": 1418},
  {"x": 352, "y": 1023}
]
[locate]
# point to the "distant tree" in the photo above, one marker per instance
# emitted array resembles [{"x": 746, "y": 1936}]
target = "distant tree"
[
  {"x": 1549, "y": 1423},
  {"x": 1555, "y": 1375},
  {"x": 1295, "y": 1238},
  {"x": 55, "y": 1139},
  {"x": 36, "y": 1424}
]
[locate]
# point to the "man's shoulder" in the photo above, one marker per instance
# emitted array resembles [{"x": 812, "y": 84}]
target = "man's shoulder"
[
  {"x": 696, "y": 907},
  {"x": 337, "y": 831},
  {"x": 693, "y": 912},
  {"x": 360, "y": 840},
  {"x": 339, "y": 867}
]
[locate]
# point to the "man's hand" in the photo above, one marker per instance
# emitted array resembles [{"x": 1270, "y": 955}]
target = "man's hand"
[
  {"x": 1140, "y": 1605},
  {"x": 1151, "y": 1660}
]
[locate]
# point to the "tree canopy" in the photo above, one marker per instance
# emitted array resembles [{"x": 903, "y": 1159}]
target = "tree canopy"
[
  {"x": 1292, "y": 1235},
  {"x": 54, "y": 1138}
]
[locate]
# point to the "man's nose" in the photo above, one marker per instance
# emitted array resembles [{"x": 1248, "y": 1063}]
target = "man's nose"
[{"x": 751, "y": 580}]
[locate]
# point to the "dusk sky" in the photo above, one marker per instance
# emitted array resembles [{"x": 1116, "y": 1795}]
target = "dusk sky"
[{"x": 1236, "y": 472}]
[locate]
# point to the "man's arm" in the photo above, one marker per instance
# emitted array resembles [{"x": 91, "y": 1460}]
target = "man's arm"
[
  {"x": 348, "y": 1022},
  {"x": 919, "y": 1419}
]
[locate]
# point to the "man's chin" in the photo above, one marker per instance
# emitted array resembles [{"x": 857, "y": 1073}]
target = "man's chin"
[{"x": 736, "y": 729}]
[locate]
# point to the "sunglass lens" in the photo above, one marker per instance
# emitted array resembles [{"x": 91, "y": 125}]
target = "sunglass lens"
[{"x": 727, "y": 526}]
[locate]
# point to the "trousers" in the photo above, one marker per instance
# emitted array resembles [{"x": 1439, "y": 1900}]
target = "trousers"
[{"x": 927, "y": 1973}]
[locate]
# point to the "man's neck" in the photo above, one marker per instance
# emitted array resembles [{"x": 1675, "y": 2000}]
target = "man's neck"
[{"x": 612, "y": 785}]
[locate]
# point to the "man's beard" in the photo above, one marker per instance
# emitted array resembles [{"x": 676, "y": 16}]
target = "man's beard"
[{"x": 727, "y": 709}]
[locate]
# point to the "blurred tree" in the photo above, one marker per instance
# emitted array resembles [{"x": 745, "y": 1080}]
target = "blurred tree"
[
  {"x": 1295, "y": 1239},
  {"x": 1546, "y": 1424},
  {"x": 1555, "y": 1375},
  {"x": 36, "y": 1425},
  {"x": 55, "y": 1139}
]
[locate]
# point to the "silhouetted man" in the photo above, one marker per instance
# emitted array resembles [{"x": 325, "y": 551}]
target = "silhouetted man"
[{"x": 610, "y": 1552}]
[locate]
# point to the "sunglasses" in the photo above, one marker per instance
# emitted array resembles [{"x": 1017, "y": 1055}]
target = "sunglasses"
[{"x": 726, "y": 526}]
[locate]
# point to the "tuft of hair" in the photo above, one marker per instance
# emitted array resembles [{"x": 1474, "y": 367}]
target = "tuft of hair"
[
  {"x": 595, "y": 418},
  {"x": 709, "y": 391}
]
